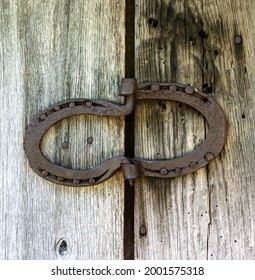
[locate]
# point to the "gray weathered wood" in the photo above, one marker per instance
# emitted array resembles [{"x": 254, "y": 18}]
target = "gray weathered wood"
[
  {"x": 209, "y": 214},
  {"x": 52, "y": 51}
]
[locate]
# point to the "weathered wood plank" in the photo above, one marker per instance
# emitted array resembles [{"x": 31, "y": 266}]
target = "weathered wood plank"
[
  {"x": 208, "y": 215},
  {"x": 52, "y": 51},
  {"x": 175, "y": 212},
  {"x": 232, "y": 177}
]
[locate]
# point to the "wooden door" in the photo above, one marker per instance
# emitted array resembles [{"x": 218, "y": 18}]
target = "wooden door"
[
  {"x": 57, "y": 50},
  {"x": 208, "y": 214},
  {"x": 53, "y": 51}
]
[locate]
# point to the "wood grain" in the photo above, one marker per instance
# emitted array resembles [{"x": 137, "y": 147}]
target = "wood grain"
[
  {"x": 208, "y": 214},
  {"x": 53, "y": 51}
]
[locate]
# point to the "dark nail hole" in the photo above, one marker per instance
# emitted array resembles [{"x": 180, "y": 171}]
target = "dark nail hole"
[
  {"x": 180, "y": 105},
  {"x": 205, "y": 100},
  {"x": 192, "y": 40},
  {"x": 203, "y": 34},
  {"x": 243, "y": 116},
  {"x": 209, "y": 90},
  {"x": 216, "y": 52},
  {"x": 153, "y": 22},
  {"x": 162, "y": 105},
  {"x": 205, "y": 85}
]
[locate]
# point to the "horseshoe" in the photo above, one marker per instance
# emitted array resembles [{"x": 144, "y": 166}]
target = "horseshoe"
[{"x": 132, "y": 168}]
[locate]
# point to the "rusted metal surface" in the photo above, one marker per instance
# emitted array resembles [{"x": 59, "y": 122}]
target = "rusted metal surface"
[{"x": 132, "y": 168}]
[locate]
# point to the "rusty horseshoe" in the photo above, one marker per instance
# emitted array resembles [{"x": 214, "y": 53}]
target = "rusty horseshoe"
[{"x": 132, "y": 168}]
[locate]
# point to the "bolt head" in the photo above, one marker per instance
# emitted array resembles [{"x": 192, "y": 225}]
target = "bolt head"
[
  {"x": 76, "y": 182},
  {"x": 45, "y": 173},
  {"x": 189, "y": 89},
  {"x": 88, "y": 104},
  {"x": 65, "y": 145},
  {"x": 60, "y": 179},
  {"x": 209, "y": 156},
  {"x": 193, "y": 165},
  {"x": 57, "y": 108},
  {"x": 155, "y": 87},
  {"x": 90, "y": 140},
  {"x": 178, "y": 171},
  {"x": 173, "y": 88},
  {"x": 163, "y": 171},
  {"x": 142, "y": 230},
  {"x": 238, "y": 39},
  {"x": 92, "y": 181},
  {"x": 43, "y": 117}
]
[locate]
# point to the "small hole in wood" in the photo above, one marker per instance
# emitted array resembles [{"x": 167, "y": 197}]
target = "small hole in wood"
[
  {"x": 153, "y": 22},
  {"x": 243, "y": 116},
  {"x": 61, "y": 247}
]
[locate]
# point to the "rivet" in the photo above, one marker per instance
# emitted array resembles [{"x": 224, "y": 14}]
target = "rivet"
[
  {"x": 90, "y": 140},
  {"x": 65, "y": 145},
  {"x": 72, "y": 104},
  {"x": 155, "y": 87},
  {"x": 76, "y": 181},
  {"x": 178, "y": 171},
  {"x": 163, "y": 171},
  {"x": 92, "y": 181},
  {"x": 43, "y": 117},
  {"x": 189, "y": 89},
  {"x": 57, "y": 108},
  {"x": 45, "y": 173},
  {"x": 60, "y": 179},
  {"x": 173, "y": 88},
  {"x": 89, "y": 104},
  {"x": 193, "y": 165},
  {"x": 238, "y": 39},
  {"x": 209, "y": 156},
  {"x": 142, "y": 230}
]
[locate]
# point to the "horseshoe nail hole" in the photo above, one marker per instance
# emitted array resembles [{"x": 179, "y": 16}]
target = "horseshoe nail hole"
[
  {"x": 62, "y": 247},
  {"x": 205, "y": 100}
]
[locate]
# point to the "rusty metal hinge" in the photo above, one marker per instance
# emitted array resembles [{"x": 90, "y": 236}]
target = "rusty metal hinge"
[{"x": 132, "y": 168}]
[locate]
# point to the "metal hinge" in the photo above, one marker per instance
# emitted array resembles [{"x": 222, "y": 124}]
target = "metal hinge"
[{"x": 132, "y": 168}]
